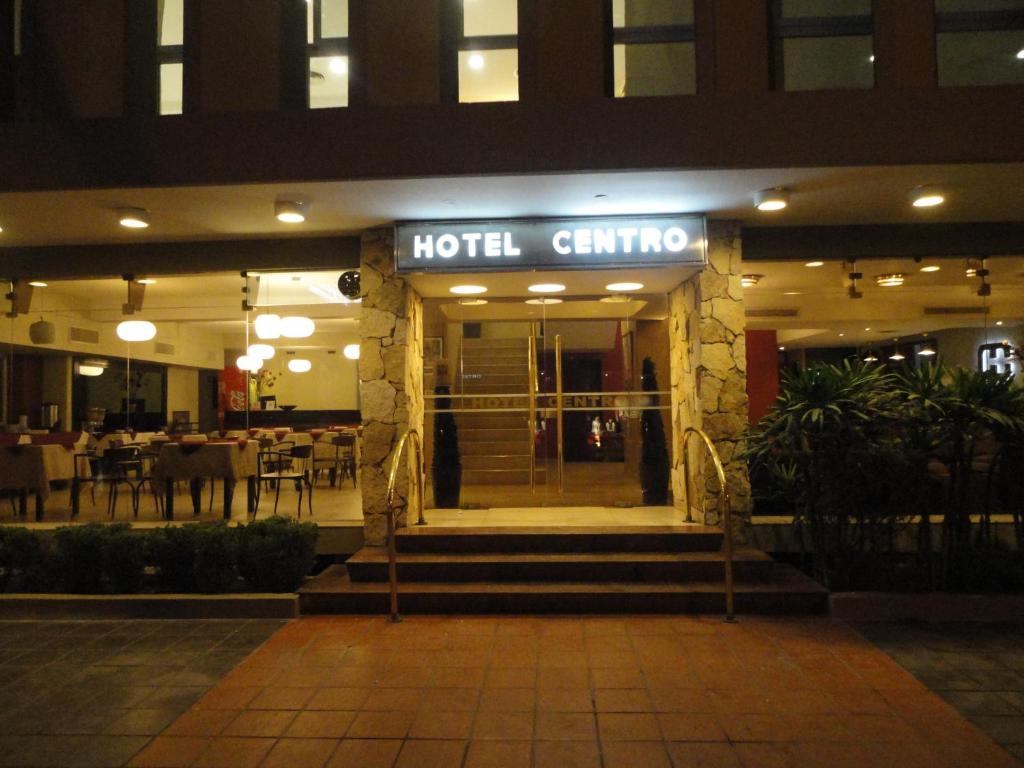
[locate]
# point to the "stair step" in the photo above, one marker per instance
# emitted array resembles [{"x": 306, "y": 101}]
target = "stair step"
[
  {"x": 504, "y": 366},
  {"x": 515, "y": 342},
  {"x": 506, "y": 461},
  {"x": 370, "y": 564},
  {"x": 496, "y": 476},
  {"x": 564, "y": 539},
  {"x": 494, "y": 434},
  {"x": 788, "y": 591},
  {"x": 500, "y": 448}
]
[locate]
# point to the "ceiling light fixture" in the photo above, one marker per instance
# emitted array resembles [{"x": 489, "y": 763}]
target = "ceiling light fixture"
[
  {"x": 267, "y": 327},
  {"x": 749, "y": 281},
  {"x": 926, "y": 196},
  {"x": 893, "y": 280},
  {"x": 37, "y": 283},
  {"x": 351, "y": 351},
  {"x": 249, "y": 363},
  {"x": 297, "y": 327},
  {"x": 290, "y": 211},
  {"x": 999, "y": 322},
  {"x": 85, "y": 369},
  {"x": 931, "y": 268},
  {"x": 871, "y": 357},
  {"x": 1020, "y": 54},
  {"x": 774, "y": 199},
  {"x": 621, "y": 287},
  {"x": 897, "y": 356},
  {"x": 133, "y": 218},
  {"x": 262, "y": 351},
  {"x": 544, "y": 300},
  {"x": 135, "y": 330},
  {"x": 782, "y": 349},
  {"x": 339, "y": 65},
  {"x": 815, "y": 264},
  {"x": 476, "y": 61},
  {"x": 928, "y": 350},
  {"x": 467, "y": 290},
  {"x": 546, "y": 288},
  {"x": 146, "y": 281},
  {"x": 299, "y": 365}
]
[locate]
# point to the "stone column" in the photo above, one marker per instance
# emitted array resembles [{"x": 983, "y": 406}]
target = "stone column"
[
  {"x": 390, "y": 378},
  {"x": 709, "y": 371}
]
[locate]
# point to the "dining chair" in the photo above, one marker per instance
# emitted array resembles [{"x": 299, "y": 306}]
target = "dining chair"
[
  {"x": 341, "y": 463},
  {"x": 293, "y": 464}
]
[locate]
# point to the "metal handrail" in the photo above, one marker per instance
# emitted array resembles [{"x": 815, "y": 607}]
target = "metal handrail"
[
  {"x": 389, "y": 498},
  {"x": 723, "y": 493}
]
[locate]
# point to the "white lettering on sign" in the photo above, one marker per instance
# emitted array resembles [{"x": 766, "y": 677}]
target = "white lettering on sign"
[
  {"x": 495, "y": 244},
  {"x": 511, "y": 250},
  {"x": 447, "y": 246},
  {"x": 560, "y": 242},
  {"x": 492, "y": 244},
  {"x": 471, "y": 238}
]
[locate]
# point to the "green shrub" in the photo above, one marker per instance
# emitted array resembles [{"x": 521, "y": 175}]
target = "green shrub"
[
  {"x": 276, "y": 554},
  {"x": 173, "y": 551},
  {"x": 215, "y": 567},
  {"x": 124, "y": 559},
  {"x": 26, "y": 563},
  {"x": 80, "y": 551}
]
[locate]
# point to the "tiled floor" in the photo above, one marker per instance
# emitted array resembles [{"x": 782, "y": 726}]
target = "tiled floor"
[
  {"x": 977, "y": 668},
  {"x": 564, "y": 692},
  {"x": 93, "y": 693}
]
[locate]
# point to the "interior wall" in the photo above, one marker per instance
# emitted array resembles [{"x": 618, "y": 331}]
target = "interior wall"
[
  {"x": 183, "y": 391},
  {"x": 332, "y": 384},
  {"x": 762, "y": 372},
  {"x": 56, "y": 386},
  {"x": 959, "y": 346}
]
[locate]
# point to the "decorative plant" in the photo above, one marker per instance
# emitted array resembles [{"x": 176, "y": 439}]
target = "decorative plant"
[
  {"x": 446, "y": 468},
  {"x": 654, "y": 468},
  {"x": 264, "y": 381}
]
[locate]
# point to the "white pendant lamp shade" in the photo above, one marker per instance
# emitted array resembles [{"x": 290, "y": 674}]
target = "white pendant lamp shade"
[
  {"x": 249, "y": 363},
  {"x": 262, "y": 351},
  {"x": 89, "y": 370},
  {"x": 136, "y": 330},
  {"x": 298, "y": 365},
  {"x": 268, "y": 326},
  {"x": 351, "y": 351},
  {"x": 297, "y": 327}
]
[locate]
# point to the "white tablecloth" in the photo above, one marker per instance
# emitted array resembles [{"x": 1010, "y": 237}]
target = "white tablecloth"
[
  {"x": 34, "y": 467},
  {"x": 228, "y": 460}
]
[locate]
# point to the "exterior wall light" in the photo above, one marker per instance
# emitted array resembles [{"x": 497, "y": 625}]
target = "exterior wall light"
[
  {"x": 135, "y": 330},
  {"x": 774, "y": 199},
  {"x": 290, "y": 211},
  {"x": 926, "y": 196},
  {"x": 299, "y": 365},
  {"x": 133, "y": 218}
]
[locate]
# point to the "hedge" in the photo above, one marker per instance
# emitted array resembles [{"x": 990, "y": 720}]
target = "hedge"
[{"x": 272, "y": 555}]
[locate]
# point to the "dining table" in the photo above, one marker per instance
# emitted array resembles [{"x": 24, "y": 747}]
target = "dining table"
[
  {"x": 30, "y": 469},
  {"x": 229, "y": 460}
]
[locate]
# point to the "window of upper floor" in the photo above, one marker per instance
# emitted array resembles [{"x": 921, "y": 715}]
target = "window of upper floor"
[
  {"x": 328, "y": 53},
  {"x": 979, "y": 42},
  {"x": 487, "y": 40},
  {"x": 653, "y": 49},
  {"x": 170, "y": 40},
  {"x": 822, "y": 45}
]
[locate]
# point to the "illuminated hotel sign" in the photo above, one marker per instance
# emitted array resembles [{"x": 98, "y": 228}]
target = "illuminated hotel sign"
[{"x": 570, "y": 243}]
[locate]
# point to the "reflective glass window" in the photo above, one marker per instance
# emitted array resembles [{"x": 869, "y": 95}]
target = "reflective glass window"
[
  {"x": 979, "y": 42},
  {"x": 488, "y": 53},
  {"x": 822, "y": 45},
  {"x": 327, "y": 48},
  {"x": 653, "y": 50},
  {"x": 170, "y": 36}
]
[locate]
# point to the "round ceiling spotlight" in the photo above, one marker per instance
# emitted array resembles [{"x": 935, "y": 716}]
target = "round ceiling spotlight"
[
  {"x": 813, "y": 264},
  {"x": 299, "y": 365},
  {"x": 621, "y": 287},
  {"x": 146, "y": 281},
  {"x": 931, "y": 268},
  {"x": 290, "y": 211},
  {"x": 249, "y": 363},
  {"x": 297, "y": 327},
  {"x": 351, "y": 351},
  {"x": 262, "y": 351},
  {"x": 472, "y": 302},
  {"x": 749, "y": 281},
  {"x": 894, "y": 280},
  {"x": 543, "y": 300},
  {"x": 136, "y": 330},
  {"x": 467, "y": 290},
  {"x": 926, "y": 196},
  {"x": 133, "y": 218},
  {"x": 268, "y": 326},
  {"x": 84, "y": 369},
  {"x": 774, "y": 199},
  {"x": 546, "y": 288},
  {"x": 37, "y": 283}
]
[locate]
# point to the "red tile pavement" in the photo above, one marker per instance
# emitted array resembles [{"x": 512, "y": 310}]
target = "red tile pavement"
[{"x": 617, "y": 691}]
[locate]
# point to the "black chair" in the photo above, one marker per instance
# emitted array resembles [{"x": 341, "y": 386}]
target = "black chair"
[
  {"x": 87, "y": 460},
  {"x": 127, "y": 466},
  {"x": 343, "y": 462},
  {"x": 293, "y": 464}
]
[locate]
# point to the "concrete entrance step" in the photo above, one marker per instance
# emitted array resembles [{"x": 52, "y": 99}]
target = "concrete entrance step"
[
  {"x": 371, "y": 564},
  {"x": 552, "y": 539},
  {"x": 788, "y": 591}
]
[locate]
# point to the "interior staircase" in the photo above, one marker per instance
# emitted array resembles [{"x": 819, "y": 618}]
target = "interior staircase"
[
  {"x": 495, "y": 447},
  {"x": 649, "y": 569}
]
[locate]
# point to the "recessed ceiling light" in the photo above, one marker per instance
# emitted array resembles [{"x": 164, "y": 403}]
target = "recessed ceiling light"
[
  {"x": 472, "y": 302},
  {"x": 793, "y": 293},
  {"x": 467, "y": 290},
  {"x": 931, "y": 268},
  {"x": 841, "y": 335},
  {"x": 867, "y": 329},
  {"x": 338, "y": 65},
  {"x": 782, "y": 349},
  {"x": 616, "y": 298},
  {"x": 774, "y": 199},
  {"x": 893, "y": 280},
  {"x": 546, "y": 288},
  {"x": 476, "y": 61},
  {"x": 815, "y": 264},
  {"x": 37, "y": 283},
  {"x": 871, "y": 58},
  {"x": 133, "y": 218},
  {"x": 620, "y": 287},
  {"x": 999, "y": 322},
  {"x": 290, "y": 211},
  {"x": 749, "y": 281},
  {"x": 146, "y": 281},
  {"x": 926, "y": 197},
  {"x": 544, "y": 300}
]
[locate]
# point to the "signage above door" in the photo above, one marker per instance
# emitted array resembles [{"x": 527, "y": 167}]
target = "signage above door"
[{"x": 566, "y": 243}]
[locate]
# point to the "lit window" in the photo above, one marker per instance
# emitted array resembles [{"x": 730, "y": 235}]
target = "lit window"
[
  {"x": 170, "y": 37},
  {"x": 327, "y": 46},
  {"x": 979, "y": 42},
  {"x": 823, "y": 45},
  {"x": 653, "y": 48},
  {"x": 488, "y": 50}
]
